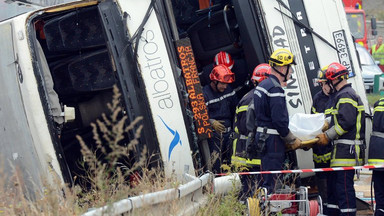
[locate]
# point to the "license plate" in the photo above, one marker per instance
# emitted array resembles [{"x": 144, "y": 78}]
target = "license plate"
[{"x": 341, "y": 46}]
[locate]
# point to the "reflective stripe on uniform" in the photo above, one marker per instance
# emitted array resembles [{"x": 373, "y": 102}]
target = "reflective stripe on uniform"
[
  {"x": 375, "y": 161},
  {"x": 348, "y": 210},
  {"x": 241, "y": 160},
  {"x": 339, "y": 130},
  {"x": 269, "y": 131},
  {"x": 220, "y": 98},
  {"x": 241, "y": 109},
  {"x": 328, "y": 111},
  {"x": 234, "y": 147},
  {"x": 348, "y": 142},
  {"x": 239, "y": 136},
  {"x": 358, "y": 123},
  {"x": 347, "y": 162},
  {"x": 243, "y": 137},
  {"x": 322, "y": 158},
  {"x": 346, "y": 100},
  {"x": 244, "y": 161},
  {"x": 258, "y": 88},
  {"x": 236, "y": 128},
  {"x": 340, "y": 162},
  {"x": 378, "y": 109},
  {"x": 378, "y": 134},
  {"x": 227, "y": 129},
  {"x": 314, "y": 110},
  {"x": 344, "y": 162},
  {"x": 332, "y": 206}
]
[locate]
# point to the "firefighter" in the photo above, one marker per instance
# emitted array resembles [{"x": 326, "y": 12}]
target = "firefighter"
[
  {"x": 347, "y": 134},
  {"x": 237, "y": 65},
  {"x": 377, "y": 52},
  {"x": 221, "y": 101},
  {"x": 273, "y": 137},
  {"x": 221, "y": 57},
  {"x": 240, "y": 134},
  {"x": 322, "y": 154},
  {"x": 376, "y": 155}
]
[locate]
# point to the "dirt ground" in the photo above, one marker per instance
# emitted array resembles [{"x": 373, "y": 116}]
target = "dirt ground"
[{"x": 363, "y": 190}]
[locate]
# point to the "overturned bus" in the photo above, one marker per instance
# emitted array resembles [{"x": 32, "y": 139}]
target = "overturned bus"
[{"x": 58, "y": 66}]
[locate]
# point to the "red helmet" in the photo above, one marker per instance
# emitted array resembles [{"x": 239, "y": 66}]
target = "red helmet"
[
  {"x": 336, "y": 71},
  {"x": 224, "y": 58},
  {"x": 261, "y": 72},
  {"x": 222, "y": 74}
]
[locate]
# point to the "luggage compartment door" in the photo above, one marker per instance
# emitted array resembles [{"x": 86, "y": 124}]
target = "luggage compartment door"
[{"x": 19, "y": 155}]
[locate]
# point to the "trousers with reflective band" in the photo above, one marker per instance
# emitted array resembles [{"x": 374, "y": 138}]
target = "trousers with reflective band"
[{"x": 341, "y": 193}]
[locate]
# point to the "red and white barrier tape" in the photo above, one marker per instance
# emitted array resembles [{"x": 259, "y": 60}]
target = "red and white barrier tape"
[{"x": 306, "y": 170}]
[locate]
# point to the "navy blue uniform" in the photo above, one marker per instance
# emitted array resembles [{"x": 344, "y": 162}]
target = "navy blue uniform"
[
  {"x": 239, "y": 146},
  {"x": 319, "y": 102},
  {"x": 348, "y": 149},
  {"x": 322, "y": 154},
  {"x": 272, "y": 113},
  {"x": 221, "y": 106},
  {"x": 376, "y": 155}
]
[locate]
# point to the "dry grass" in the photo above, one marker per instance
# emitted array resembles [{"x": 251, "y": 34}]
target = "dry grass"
[
  {"x": 109, "y": 177},
  {"x": 228, "y": 204}
]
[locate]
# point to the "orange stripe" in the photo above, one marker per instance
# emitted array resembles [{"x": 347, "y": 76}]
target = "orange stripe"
[{"x": 203, "y": 4}]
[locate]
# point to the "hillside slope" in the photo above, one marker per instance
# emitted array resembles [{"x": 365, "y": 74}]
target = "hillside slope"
[{"x": 374, "y": 8}]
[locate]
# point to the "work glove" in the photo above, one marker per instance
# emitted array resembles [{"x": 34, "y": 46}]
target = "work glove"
[
  {"x": 325, "y": 126},
  {"x": 294, "y": 145},
  {"x": 323, "y": 139},
  {"x": 218, "y": 125},
  {"x": 290, "y": 138}
]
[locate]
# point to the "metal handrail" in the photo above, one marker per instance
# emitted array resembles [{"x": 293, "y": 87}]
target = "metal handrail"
[{"x": 132, "y": 203}]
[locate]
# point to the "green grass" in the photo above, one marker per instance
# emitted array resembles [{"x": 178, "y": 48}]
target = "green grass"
[{"x": 372, "y": 98}]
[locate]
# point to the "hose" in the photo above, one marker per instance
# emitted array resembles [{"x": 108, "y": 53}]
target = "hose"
[
  {"x": 311, "y": 141},
  {"x": 313, "y": 208}
]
